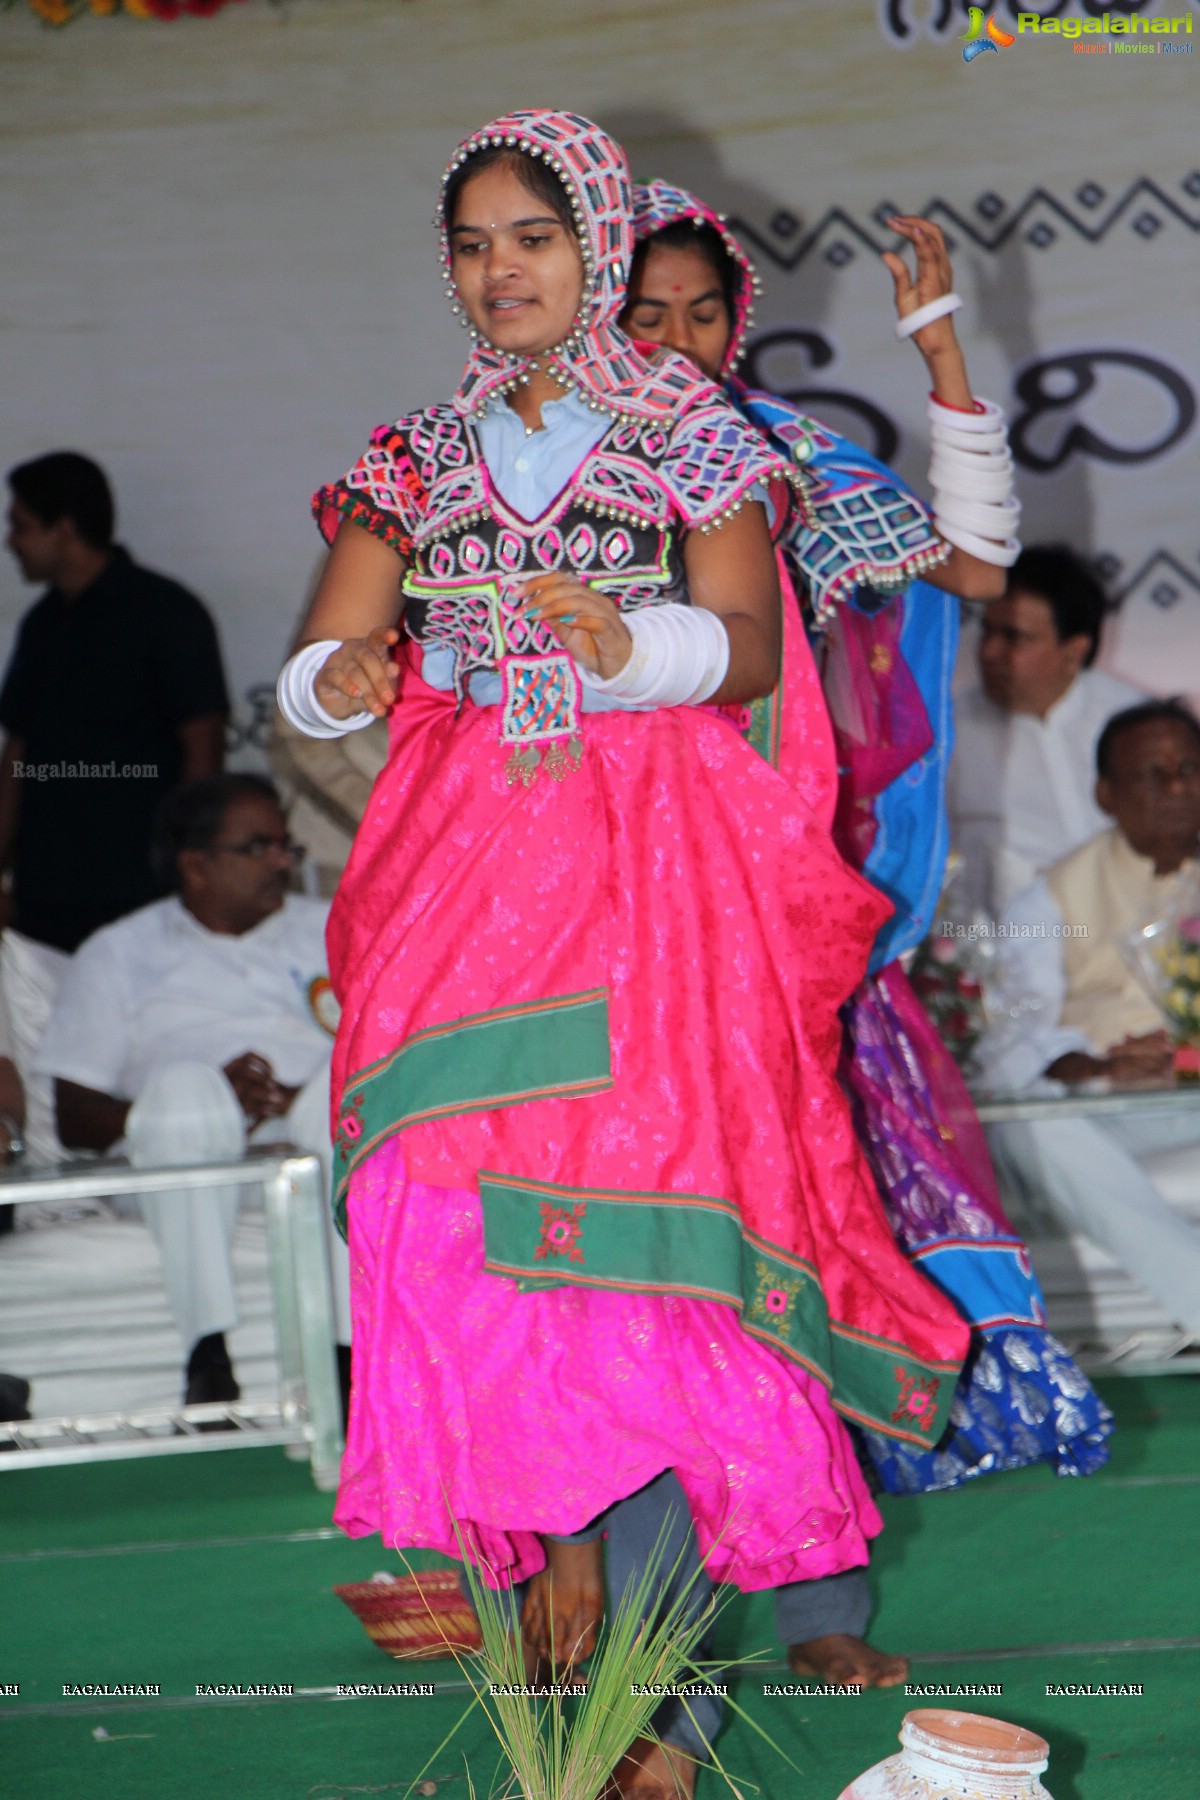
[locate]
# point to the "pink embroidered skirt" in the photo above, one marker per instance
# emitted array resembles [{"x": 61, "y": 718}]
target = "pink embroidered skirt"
[
  {"x": 514, "y": 1413},
  {"x": 607, "y": 1213}
]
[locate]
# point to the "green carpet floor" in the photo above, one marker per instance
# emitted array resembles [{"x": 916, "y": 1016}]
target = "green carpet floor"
[{"x": 217, "y": 1568}]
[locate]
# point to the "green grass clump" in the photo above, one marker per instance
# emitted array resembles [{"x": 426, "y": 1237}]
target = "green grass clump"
[{"x": 560, "y": 1744}]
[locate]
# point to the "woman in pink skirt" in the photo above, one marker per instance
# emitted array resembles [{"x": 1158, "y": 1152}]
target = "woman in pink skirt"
[{"x": 606, "y": 1211}]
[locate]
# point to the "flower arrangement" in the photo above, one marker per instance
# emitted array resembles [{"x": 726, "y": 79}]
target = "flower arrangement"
[
  {"x": 1181, "y": 968},
  {"x": 948, "y": 968},
  {"x": 1165, "y": 955},
  {"x": 62, "y": 12},
  {"x": 945, "y": 977}
]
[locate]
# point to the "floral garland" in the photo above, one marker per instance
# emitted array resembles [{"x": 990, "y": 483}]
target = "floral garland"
[{"x": 62, "y": 12}]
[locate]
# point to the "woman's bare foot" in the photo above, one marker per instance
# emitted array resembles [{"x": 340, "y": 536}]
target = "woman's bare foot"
[
  {"x": 650, "y": 1771},
  {"x": 845, "y": 1661},
  {"x": 564, "y": 1604}
]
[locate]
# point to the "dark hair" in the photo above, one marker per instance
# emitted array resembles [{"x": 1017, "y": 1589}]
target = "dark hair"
[
  {"x": 1073, "y": 594},
  {"x": 66, "y": 485},
  {"x": 1151, "y": 712},
  {"x": 686, "y": 234},
  {"x": 531, "y": 171},
  {"x": 191, "y": 817}
]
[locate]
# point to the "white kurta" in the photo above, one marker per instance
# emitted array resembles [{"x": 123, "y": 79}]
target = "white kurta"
[
  {"x": 30, "y": 974},
  {"x": 1021, "y": 789},
  {"x": 150, "y": 1010},
  {"x": 158, "y": 987},
  {"x": 1026, "y": 995}
]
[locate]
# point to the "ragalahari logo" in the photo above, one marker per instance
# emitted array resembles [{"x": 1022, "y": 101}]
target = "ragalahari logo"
[{"x": 981, "y": 36}]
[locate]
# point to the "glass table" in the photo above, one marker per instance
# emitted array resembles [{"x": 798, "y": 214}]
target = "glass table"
[
  {"x": 1092, "y": 1100},
  {"x": 1108, "y": 1322}
]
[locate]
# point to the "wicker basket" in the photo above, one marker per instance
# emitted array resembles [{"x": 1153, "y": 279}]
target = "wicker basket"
[{"x": 414, "y": 1617}]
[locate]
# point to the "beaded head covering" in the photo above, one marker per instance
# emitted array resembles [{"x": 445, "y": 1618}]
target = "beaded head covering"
[
  {"x": 596, "y": 358},
  {"x": 657, "y": 204}
]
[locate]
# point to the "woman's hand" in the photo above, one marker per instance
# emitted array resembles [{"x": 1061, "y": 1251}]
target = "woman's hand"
[
  {"x": 359, "y": 675},
  {"x": 934, "y": 277},
  {"x": 587, "y": 624},
  {"x": 357, "y": 604}
]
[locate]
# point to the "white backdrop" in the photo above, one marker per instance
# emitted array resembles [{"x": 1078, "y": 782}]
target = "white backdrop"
[{"x": 219, "y": 269}]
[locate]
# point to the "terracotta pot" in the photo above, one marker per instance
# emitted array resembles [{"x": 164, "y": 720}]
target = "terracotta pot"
[{"x": 957, "y": 1756}]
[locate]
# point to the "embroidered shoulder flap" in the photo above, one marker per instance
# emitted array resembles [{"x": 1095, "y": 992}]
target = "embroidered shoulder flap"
[
  {"x": 714, "y": 459},
  {"x": 386, "y": 492}
]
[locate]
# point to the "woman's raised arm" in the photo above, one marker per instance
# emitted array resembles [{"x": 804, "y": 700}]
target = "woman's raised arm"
[{"x": 969, "y": 576}]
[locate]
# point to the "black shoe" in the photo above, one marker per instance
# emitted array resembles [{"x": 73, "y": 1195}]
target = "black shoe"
[
  {"x": 343, "y": 1369},
  {"x": 14, "y": 1395},
  {"x": 209, "y": 1378},
  {"x": 209, "y": 1386}
]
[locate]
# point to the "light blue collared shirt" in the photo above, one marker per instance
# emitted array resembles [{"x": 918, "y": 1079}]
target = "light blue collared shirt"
[{"x": 529, "y": 469}]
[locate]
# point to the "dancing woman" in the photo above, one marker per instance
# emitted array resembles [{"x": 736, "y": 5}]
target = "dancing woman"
[
  {"x": 606, "y": 1211},
  {"x": 861, "y": 537},
  {"x": 605, "y": 1205}
]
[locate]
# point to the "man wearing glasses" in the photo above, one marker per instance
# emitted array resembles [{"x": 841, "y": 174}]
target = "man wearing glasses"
[{"x": 196, "y": 1023}]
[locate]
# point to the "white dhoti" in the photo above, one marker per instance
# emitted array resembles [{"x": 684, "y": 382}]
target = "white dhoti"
[
  {"x": 30, "y": 974},
  {"x": 189, "y": 1113},
  {"x": 1114, "y": 1181}
]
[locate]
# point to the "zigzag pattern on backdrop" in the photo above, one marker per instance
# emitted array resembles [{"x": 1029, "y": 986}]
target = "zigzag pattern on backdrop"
[
  {"x": 944, "y": 17},
  {"x": 1162, "y": 575},
  {"x": 900, "y": 29},
  {"x": 989, "y": 224}
]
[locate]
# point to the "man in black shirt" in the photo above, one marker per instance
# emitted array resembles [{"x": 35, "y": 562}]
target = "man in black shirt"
[{"x": 114, "y": 695}]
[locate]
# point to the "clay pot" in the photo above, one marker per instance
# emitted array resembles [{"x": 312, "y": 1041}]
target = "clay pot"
[{"x": 957, "y": 1756}]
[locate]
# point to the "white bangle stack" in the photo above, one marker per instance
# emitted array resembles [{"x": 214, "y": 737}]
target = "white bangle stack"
[
  {"x": 680, "y": 657},
  {"x": 296, "y": 694},
  {"x": 971, "y": 474}
]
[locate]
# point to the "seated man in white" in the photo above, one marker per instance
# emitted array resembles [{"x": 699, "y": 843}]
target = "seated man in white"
[
  {"x": 1021, "y": 778},
  {"x": 194, "y": 1024},
  {"x": 1077, "y": 1012}
]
